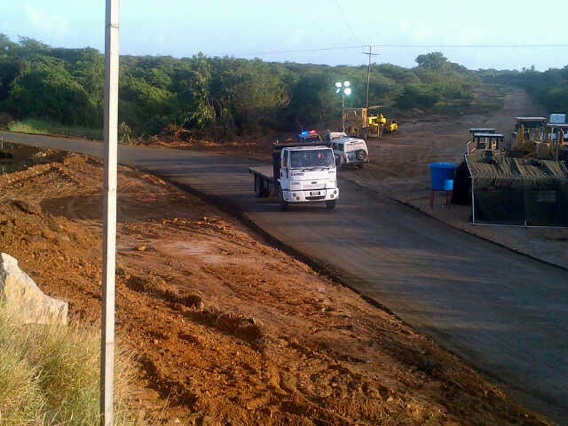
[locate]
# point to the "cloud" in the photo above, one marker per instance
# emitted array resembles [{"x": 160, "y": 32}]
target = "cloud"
[{"x": 43, "y": 21}]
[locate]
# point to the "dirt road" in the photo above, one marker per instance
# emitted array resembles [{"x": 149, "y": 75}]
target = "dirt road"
[{"x": 215, "y": 285}]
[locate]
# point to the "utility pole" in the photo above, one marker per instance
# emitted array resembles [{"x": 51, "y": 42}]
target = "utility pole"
[
  {"x": 369, "y": 53},
  {"x": 109, "y": 214}
]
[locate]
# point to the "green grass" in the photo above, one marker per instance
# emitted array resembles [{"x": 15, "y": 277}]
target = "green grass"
[
  {"x": 41, "y": 127},
  {"x": 49, "y": 375}
]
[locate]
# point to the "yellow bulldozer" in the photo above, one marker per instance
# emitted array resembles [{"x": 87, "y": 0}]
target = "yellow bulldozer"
[{"x": 368, "y": 122}]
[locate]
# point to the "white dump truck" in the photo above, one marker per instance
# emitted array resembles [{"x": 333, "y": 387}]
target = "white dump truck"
[{"x": 300, "y": 173}]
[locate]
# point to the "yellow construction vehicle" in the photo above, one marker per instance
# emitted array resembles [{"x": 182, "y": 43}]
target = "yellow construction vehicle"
[
  {"x": 368, "y": 122},
  {"x": 391, "y": 126},
  {"x": 530, "y": 136}
]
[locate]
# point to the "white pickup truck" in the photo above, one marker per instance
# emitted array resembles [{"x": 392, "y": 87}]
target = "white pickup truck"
[{"x": 300, "y": 173}]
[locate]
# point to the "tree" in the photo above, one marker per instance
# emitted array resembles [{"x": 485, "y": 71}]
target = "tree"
[
  {"x": 46, "y": 90},
  {"x": 249, "y": 93},
  {"x": 144, "y": 107},
  {"x": 432, "y": 61},
  {"x": 219, "y": 97},
  {"x": 417, "y": 96},
  {"x": 7, "y": 47},
  {"x": 9, "y": 71}
]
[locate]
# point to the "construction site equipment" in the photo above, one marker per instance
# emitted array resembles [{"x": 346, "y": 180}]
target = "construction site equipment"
[
  {"x": 368, "y": 122},
  {"x": 557, "y": 133},
  {"x": 475, "y": 130},
  {"x": 487, "y": 143},
  {"x": 515, "y": 183},
  {"x": 529, "y": 135}
]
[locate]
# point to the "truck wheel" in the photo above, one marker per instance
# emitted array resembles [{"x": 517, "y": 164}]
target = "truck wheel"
[
  {"x": 258, "y": 187},
  {"x": 282, "y": 203},
  {"x": 361, "y": 155},
  {"x": 330, "y": 204}
]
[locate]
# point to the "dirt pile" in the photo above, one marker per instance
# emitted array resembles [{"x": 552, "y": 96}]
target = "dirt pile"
[{"x": 223, "y": 328}]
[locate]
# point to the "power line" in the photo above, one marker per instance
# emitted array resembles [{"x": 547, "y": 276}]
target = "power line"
[
  {"x": 319, "y": 49},
  {"x": 476, "y": 46},
  {"x": 345, "y": 20},
  {"x": 412, "y": 46}
]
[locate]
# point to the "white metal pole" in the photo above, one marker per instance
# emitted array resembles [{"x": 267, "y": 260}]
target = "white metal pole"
[
  {"x": 109, "y": 214},
  {"x": 342, "y": 109}
]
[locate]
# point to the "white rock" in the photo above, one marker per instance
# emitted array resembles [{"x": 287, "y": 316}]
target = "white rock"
[{"x": 23, "y": 298}]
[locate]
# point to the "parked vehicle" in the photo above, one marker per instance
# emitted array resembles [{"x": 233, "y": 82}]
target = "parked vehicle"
[
  {"x": 300, "y": 173},
  {"x": 348, "y": 151},
  {"x": 310, "y": 136}
]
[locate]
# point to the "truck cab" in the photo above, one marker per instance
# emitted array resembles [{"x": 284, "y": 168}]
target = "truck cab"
[{"x": 305, "y": 173}]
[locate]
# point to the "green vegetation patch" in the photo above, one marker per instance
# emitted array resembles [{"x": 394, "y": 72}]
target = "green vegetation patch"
[
  {"x": 43, "y": 127},
  {"x": 49, "y": 375}
]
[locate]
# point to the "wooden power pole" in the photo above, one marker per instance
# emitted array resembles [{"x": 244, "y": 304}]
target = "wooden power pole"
[{"x": 369, "y": 53}]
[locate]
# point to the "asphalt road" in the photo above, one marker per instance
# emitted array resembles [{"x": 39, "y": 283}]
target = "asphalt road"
[{"x": 503, "y": 313}]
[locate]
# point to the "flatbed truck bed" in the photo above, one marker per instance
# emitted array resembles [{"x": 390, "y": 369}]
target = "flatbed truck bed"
[{"x": 263, "y": 180}]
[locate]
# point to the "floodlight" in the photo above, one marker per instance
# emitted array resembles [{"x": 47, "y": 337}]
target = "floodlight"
[{"x": 345, "y": 90}]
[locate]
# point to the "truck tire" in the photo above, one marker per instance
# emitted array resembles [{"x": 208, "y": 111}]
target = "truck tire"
[
  {"x": 258, "y": 186},
  {"x": 330, "y": 204}
]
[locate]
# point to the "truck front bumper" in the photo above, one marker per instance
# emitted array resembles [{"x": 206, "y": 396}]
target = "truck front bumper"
[{"x": 310, "y": 196}]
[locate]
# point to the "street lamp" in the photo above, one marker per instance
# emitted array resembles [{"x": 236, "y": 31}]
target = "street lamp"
[{"x": 345, "y": 90}]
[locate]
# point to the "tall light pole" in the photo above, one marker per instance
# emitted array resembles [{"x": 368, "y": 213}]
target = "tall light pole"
[
  {"x": 345, "y": 89},
  {"x": 109, "y": 212}
]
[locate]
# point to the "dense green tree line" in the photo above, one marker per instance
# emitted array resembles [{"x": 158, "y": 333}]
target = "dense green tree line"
[
  {"x": 219, "y": 96},
  {"x": 548, "y": 88}
]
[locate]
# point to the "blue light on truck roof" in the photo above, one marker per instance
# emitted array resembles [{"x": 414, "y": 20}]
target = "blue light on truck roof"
[{"x": 305, "y": 133}]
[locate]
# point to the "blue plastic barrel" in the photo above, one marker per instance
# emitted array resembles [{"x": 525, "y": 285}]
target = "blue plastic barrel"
[
  {"x": 448, "y": 185},
  {"x": 442, "y": 172}
]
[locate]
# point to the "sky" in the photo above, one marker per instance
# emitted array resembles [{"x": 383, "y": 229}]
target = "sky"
[{"x": 477, "y": 34}]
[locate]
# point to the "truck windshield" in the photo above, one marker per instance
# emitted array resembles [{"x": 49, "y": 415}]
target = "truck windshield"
[{"x": 311, "y": 158}]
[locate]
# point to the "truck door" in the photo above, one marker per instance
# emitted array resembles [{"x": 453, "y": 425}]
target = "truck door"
[{"x": 284, "y": 170}]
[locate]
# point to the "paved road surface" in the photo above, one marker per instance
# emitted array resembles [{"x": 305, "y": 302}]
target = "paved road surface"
[{"x": 504, "y": 313}]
